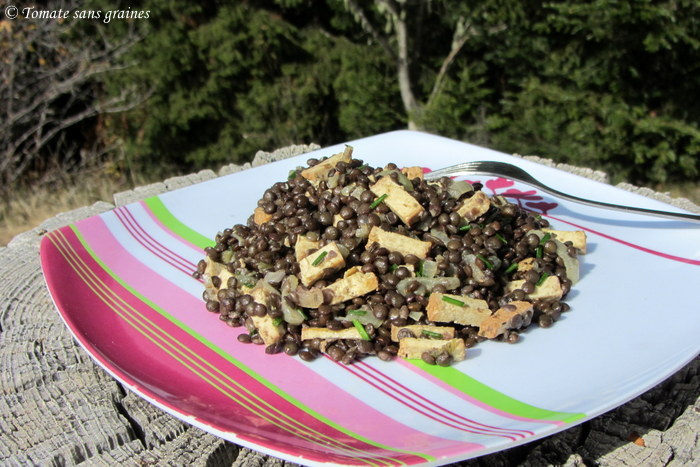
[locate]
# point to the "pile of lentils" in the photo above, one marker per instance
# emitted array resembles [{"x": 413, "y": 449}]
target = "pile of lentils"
[{"x": 499, "y": 239}]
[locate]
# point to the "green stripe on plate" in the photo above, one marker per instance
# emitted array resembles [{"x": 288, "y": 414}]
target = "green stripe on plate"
[
  {"x": 156, "y": 206},
  {"x": 493, "y": 398}
]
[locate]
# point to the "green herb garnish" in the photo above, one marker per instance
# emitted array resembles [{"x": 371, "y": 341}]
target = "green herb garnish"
[
  {"x": 431, "y": 334},
  {"x": 419, "y": 272},
  {"x": 249, "y": 284},
  {"x": 545, "y": 238},
  {"x": 394, "y": 267},
  {"x": 538, "y": 252},
  {"x": 511, "y": 268},
  {"x": 277, "y": 321},
  {"x": 452, "y": 301},
  {"x": 303, "y": 315},
  {"x": 464, "y": 228},
  {"x": 361, "y": 329},
  {"x": 501, "y": 237},
  {"x": 542, "y": 278},
  {"x": 378, "y": 201},
  {"x": 486, "y": 262},
  {"x": 292, "y": 175},
  {"x": 319, "y": 258}
]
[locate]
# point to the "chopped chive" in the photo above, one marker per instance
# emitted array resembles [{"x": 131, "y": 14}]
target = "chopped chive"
[
  {"x": 501, "y": 237},
  {"x": 486, "y": 262},
  {"x": 361, "y": 329},
  {"x": 357, "y": 312},
  {"x": 464, "y": 228},
  {"x": 362, "y": 166},
  {"x": 545, "y": 238},
  {"x": 542, "y": 278},
  {"x": 319, "y": 258},
  {"x": 277, "y": 321},
  {"x": 378, "y": 201},
  {"x": 419, "y": 272},
  {"x": 304, "y": 315},
  {"x": 538, "y": 252},
  {"x": 431, "y": 334},
  {"x": 249, "y": 284},
  {"x": 511, "y": 268},
  {"x": 292, "y": 175},
  {"x": 394, "y": 267},
  {"x": 452, "y": 301}
]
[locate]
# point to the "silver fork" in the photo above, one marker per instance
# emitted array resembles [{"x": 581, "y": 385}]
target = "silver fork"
[{"x": 503, "y": 169}]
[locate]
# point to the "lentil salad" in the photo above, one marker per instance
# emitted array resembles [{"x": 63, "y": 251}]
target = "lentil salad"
[{"x": 349, "y": 260}]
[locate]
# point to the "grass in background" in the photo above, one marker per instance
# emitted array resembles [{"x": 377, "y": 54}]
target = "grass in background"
[{"x": 28, "y": 207}]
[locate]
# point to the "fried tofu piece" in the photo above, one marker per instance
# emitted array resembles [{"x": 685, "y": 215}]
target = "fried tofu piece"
[
  {"x": 528, "y": 264},
  {"x": 320, "y": 171},
  {"x": 351, "y": 271},
  {"x": 355, "y": 285},
  {"x": 270, "y": 332},
  {"x": 331, "y": 259},
  {"x": 397, "y": 242},
  {"x": 302, "y": 247},
  {"x": 414, "y": 347},
  {"x": 325, "y": 333},
  {"x": 550, "y": 289},
  {"x": 472, "y": 313},
  {"x": 576, "y": 237},
  {"x": 260, "y": 216},
  {"x": 514, "y": 315},
  {"x": 413, "y": 172},
  {"x": 447, "y": 332},
  {"x": 398, "y": 200},
  {"x": 215, "y": 269},
  {"x": 475, "y": 206}
]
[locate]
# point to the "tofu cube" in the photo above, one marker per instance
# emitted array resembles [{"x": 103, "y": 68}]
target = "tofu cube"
[
  {"x": 331, "y": 259},
  {"x": 320, "y": 171},
  {"x": 260, "y": 216},
  {"x": 270, "y": 332},
  {"x": 413, "y": 348},
  {"x": 413, "y": 172},
  {"x": 355, "y": 285},
  {"x": 472, "y": 313},
  {"x": 303, "y": 246},
  {"x": 446, "y": 332},
  {"x": 514, "y": 315},
  {"x": 477, "y": 205},
  {"x": 528, "y": 264},
  {"x": 576, "y": 237},
  {"x": 550, "y": 289},
  {"x": 398, "y": 200},
  {"x": 397, "y": 242},
  {"x": 325, "y": 333}
]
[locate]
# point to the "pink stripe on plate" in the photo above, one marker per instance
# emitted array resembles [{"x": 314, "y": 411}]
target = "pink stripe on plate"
[{"x": 144, "y": 238}]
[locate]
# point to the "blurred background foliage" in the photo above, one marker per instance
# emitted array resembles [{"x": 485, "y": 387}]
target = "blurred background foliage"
[{"x": 608, "y": 84}]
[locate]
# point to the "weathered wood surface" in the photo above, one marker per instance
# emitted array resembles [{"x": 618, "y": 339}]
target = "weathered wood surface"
[{"x": 58, "y": 408}]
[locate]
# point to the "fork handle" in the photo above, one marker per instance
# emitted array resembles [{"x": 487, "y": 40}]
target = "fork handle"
[{"x": 618, "y": 207}]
